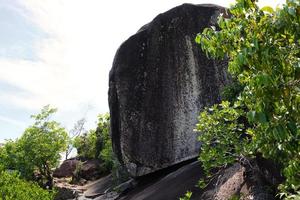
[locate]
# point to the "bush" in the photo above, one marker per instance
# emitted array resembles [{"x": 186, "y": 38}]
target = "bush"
[
  {"x": 104, "y": 143},
  {"x": 77, "y": 173},
  {"x": 223, "y": 135},
  {"x": 262, "y": 46},
  {"x": 86, "y": 144},
  {"x": 97, "y": 144},
  {"x": 38, "y": 150},
  {"x": 232, "y": 91},
  {"x": 13, "y": 188}
]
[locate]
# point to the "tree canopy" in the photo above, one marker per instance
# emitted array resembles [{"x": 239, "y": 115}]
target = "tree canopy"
[
  {"x": 12, "y": 187},
  {"x": 262, "y": 48},
  {"x": 96, "y": 144},
  {"x": 38, "y": 150}
]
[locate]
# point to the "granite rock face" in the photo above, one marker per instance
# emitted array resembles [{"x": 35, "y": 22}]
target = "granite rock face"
[{"x": 159, "y": 82}]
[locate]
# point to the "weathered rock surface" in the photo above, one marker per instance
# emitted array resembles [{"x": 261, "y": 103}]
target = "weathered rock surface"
[
  {"x": 244, "y": 182},
  {"x": 159, "y": 82},
  {"x": 252, "y": 181},
  {"x": 99, "y": 187},
  {"x": 86, "y": 169},
  {"x": 65, "y": 194},
  {"x": 66, "y": 169},
  {"x": 170, "y": 186},
  {"x": 91, "y": 169}
]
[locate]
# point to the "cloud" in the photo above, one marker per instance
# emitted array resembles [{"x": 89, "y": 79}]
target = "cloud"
[
  {"x": 75, "y": 54},
  {"x": 12, "y": 121},
  {"x": 69, "y": 68}
]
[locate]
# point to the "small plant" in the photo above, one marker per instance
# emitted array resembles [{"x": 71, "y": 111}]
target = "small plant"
[
  {"x": 77, "y": 172},
  {"x": 235, "y": 197},
  {"x": 187, "y": 196},
  {"x": 224, "y": 138}
]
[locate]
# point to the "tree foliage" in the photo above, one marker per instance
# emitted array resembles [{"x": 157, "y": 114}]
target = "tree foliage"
[
  {"x": 104, "y": 143},
  {"x": 222, "y": 129},
  {"x": 96, "y": 144},
  {"x": 38, "y": 150},
  {"x": 12, "y": 187},
  {"x": 75, "y": 132},
  {"x": 262, "y": 46},
  {"x": 86, "y": 144}
]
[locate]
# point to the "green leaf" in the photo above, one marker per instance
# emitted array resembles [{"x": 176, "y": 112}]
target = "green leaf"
[
  {"x": 263, "y": 79},
  {"x": 292, "y": 127},
  {"x": 279, "y": 133},
  {"x": 198, "y": 39},
  {"x": 241, "y": 59},
  {"x": 251, "y": 116},
  {"x": 267, "y": 9},
  {"x": 262, "y": 117},
  {"x": 292, "y": 11}
]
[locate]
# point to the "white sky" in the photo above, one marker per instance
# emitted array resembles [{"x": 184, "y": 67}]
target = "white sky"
[{"x": 74, "y": 56}]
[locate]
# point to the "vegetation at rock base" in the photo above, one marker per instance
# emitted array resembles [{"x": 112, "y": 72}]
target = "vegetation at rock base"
[
  {"x": 186, "y": 196},
  {"x": 263, "y": 50},
  {"x": 12, "y": 187}
]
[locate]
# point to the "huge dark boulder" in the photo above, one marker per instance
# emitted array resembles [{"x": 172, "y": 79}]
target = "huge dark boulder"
[{"x": 159, "y": 82}]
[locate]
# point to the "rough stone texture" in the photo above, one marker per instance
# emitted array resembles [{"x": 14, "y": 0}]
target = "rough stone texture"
[
  {"x": 243, "y": 182},
  {"x": 170, "y": 186},
  {"x": 159, "y": 82},
  {"x": 91, "y": 169},
  {"x": 99, "y": 187},
  {"x": 65, "y": 193},
  {"x": 66, "y": 169}
]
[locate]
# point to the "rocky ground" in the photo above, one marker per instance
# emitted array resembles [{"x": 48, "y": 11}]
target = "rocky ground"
[{"x": 172, "y": 183}]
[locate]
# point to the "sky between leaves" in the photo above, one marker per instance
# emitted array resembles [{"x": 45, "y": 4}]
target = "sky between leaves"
[{"x": 59, "y": 52}]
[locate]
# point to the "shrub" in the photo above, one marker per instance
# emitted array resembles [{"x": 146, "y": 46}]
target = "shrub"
[
  {"x": 104, "y": 143},
  {"x": 38, "y": 150},
  {"x": 13, "y": 188},
  {"x": 86, "y": 144},
  {"x": 97, "y": 144},
  {"x": 262, "y": 46}
]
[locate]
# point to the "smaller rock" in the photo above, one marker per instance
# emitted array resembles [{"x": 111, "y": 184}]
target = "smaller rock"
[
  {"x": 243, "y": 181},
  {"x": 66, "y": 169},
  {"x": 230, "y": 183},
  {"x": 65, "y": 194},
  {"x": 91, "y": 170}
]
